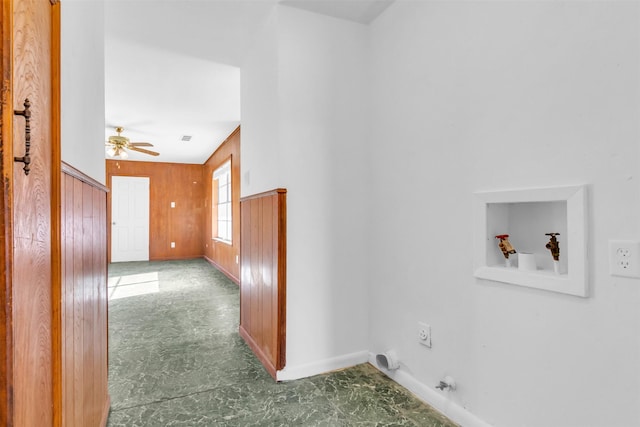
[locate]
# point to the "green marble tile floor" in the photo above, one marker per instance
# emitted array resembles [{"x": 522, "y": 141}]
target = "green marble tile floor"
[{"x": 176, "y": 359}]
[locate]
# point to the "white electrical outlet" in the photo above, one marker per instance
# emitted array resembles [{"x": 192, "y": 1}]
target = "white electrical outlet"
[
  {"x": 624, "y": 258},
  {"x": 173, "y": 244},
  {"x": 424, "y": 334}
]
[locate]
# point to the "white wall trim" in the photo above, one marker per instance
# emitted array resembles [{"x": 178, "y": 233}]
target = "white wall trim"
[
  {"x": 451, "y": 410},
  {"x": 322, "y": 366}
]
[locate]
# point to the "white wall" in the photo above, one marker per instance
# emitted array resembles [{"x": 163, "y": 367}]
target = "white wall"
[
  {"x": 322, "y": 137},
  {"x": 471, "y": 96},
  {"x": 259, "y": 151},
  {"x": 82, "y": 86},
  {"x": 315, "y": 151}
]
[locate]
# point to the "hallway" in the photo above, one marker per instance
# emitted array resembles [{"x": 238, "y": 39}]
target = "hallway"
[{"x": 176, "y": 359}]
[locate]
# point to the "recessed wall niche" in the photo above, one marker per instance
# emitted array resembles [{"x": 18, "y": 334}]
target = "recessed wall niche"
[{"x": 526, "y": 216}]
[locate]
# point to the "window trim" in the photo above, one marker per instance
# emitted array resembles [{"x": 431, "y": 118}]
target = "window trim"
[{"x": 224, "y": 168}]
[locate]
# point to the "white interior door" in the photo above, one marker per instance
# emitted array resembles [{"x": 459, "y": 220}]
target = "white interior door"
[{"x": 129, "y": 218}]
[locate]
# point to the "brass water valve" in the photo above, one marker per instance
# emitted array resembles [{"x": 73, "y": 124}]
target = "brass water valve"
[
  {"x": 505, "y": 246},
  {"x": 553, "y": 245}
]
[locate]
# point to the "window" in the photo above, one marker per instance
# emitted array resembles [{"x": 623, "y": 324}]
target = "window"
[{"x": 221, "y": 215}]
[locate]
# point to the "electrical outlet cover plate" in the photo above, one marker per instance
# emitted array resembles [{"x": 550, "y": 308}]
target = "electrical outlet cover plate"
[
  {"x": 424, "y": 334},
  {"x": 624, "y": 258}
]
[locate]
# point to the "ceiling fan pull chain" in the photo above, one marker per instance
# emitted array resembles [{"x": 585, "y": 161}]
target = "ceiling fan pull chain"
[{"x": 26, "y": 159}]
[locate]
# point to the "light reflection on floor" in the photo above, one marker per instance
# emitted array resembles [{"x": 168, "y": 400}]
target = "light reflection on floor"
[
  {"x": 176, "y": 359},
  {"x": 133, "y": 285}
]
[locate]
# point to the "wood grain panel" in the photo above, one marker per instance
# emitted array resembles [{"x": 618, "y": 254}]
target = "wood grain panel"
[
  {"x": 245, "y": 273},
  {"x": 32, "y": 302},
  {"x": 266, "y": 239},
  {"x": 169, "y": 182},
  {"x": 103, "y": 318},
  {"x": 68, "y": 261},
  {"x": 87, "y": 296},
  {"x": 57, "y": 291},
  {"x": 84, "y": 308},
  {"x": 263, "y": 277},
  {"x": 254, "y": 259},
  {"x": 78, "y": 297},
  {"x": 221, "y": 254},
  {"x": 6, "y": 213},
  {"x": 32, "y": 332},
  {"x": 279, "y": 293}
]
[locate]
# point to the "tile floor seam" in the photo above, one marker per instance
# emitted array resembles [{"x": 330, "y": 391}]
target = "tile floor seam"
[{"x": 165, "y": 399}]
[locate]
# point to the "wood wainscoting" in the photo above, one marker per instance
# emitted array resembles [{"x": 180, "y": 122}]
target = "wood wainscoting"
[
  {"x": 83, "y": 342},
  {"x": 263, "y": 260}
]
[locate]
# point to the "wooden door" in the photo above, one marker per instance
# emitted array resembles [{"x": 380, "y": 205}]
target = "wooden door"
[
  {"x": 26, "y": 283},
  {"x": 129, "y": 218}
]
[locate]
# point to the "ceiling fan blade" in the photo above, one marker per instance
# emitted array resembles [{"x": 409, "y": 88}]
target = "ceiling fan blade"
[
  {"x": 140, "y": 144},
  {"x": 142, "y": 150}
]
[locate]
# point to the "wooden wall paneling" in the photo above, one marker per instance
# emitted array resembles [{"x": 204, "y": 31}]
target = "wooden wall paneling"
[
  {"x": 245, "y": 270},
  {"x": 267, "y": 240},
  {"x": 87, "y": 298},
  {"x": 222, "y": 255},
  {"x": 103, "y": 299},
  {"x": 67, "y": 344},
  {"x": 190, "y": 223},
  {"x": 32, "y": 335},
  {"x": 280, "y": 291},
  {"x": 109, "y": 174},
  {"x": 78, "y": 306},
  {"x": 93, "y": 356},
  {"x": 84, "y": 309},
  {"x": 261, "y": 300},
  {"x": 263, "y": 285},
  {"x": 169, "y": 182},
  {"x": 6, "y": 212},
  {"x": 98, "y": 305},
  {"x": 57, "y": 291},
  {"x": 256, "y": 279},
  {"x": 32, "y": 303}
]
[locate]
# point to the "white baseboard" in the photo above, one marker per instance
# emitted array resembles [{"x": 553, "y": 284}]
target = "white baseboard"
[
  {"x": 451, "y": 410},
  {"x": 322, "y": 366},
  {"x": 438, "y": 400}
]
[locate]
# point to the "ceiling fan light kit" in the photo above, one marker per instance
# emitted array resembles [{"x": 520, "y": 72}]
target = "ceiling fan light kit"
[
  {"x": 117, "y": 146},
  {"x": 117, "y": 152}
]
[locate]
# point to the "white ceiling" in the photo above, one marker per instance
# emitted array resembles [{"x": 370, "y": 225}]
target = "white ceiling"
[
  {"x": 362, "y": 11},
  {"x": 172, "y": 67}
]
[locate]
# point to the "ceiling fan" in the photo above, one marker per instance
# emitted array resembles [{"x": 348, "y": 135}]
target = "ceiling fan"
[{"x": 118, "y": 144}]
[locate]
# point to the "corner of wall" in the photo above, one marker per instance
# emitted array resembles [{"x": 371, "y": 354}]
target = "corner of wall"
[
  {"x": 437, "y": 400},
  {"x": 321, "y": 366}
]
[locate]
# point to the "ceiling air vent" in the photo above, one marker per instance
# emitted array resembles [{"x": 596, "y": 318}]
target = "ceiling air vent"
[{"x": 185, "y": 138}]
